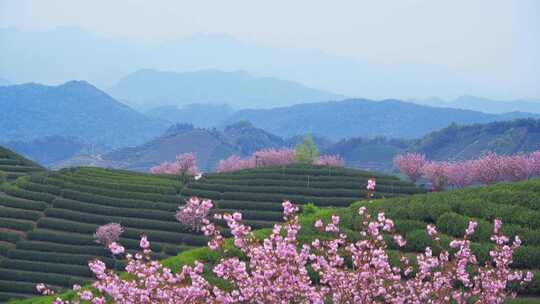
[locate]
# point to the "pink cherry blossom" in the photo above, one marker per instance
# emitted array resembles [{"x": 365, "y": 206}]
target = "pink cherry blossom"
[
  {"x": 410, "y": 164},
  {"x": 109, "y": 233}
]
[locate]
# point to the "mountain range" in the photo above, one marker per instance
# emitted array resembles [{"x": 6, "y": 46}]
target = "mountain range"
[
  {"x": 363, "y": 118},
  {"x": 4, "y": 82},
  {"x": 486, "y": 105},
  {"x": 150, "y": 88},
  {"x": 199, "y": 115},
  {"x": 103, "y": 60},
  {"x": 74, "y": 109}
]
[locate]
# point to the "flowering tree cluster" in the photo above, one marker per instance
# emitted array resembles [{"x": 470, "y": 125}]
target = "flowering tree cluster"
[
  {"x": 109, "y": 233},
  {"x": 276, "y": 269},
  {"x": 185, "y": 164},
  {"x": 194, "y": 212},
  {"x": 488, "y": 169},
  {"x": 272, "y": 158}
]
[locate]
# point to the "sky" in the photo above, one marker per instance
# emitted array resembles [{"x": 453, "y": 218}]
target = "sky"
[{"x": 484, "y": 41}]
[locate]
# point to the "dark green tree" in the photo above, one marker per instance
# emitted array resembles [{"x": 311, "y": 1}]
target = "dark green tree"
[{"x": 306, "y": 152}]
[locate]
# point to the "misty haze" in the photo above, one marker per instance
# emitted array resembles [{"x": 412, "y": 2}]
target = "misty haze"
[{"x": 269, "y": 151}]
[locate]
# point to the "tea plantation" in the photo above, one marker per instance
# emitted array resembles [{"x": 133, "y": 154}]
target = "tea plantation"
[
  {"x": 47, "y": 219},
  {"x": 13, "y": 165},
  {"x": 517, "y": 204}
]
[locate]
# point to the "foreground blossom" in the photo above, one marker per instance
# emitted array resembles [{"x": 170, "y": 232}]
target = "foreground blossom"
[
  {"x": 279, "y": 269},
  {"x": 194, "y": 212}
]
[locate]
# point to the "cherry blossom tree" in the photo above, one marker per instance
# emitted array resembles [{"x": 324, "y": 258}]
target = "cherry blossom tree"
[
  {"x": 410, "y": 164},
  {"x": 193, "y": 212},
  {"x": 534, "y": 159},
  {"x": 488, "y": 169},
  {"x": 185, "y": 164},
  {"x": 273, "y": 157},
  {"x": 234, "y": 163},
  {"x": 435, "y": 173},
  {"x": 459, "y": 174},
  {"x": 109, "y": 233},
  {"x": 517, "y": 167}
]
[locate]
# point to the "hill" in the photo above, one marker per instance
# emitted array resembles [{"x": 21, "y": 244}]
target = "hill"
[
  {"x": 210, "y": 146},
  {"x": 150, "y": 88},
  {"x": 455, "y": 142},
  {"x": 48, "y": 150},
  {"x": 515, "y": 203},
  {"x": 48, "y": 219},
  {"x": 365, "y": 118},
  {"x": 486, "y": 105},
  {"x": 199, "y": 115},
  {"x": 73, "y": 109},
  {"x": 12, "y": 165},
  {"x": 467, "y": 142}
]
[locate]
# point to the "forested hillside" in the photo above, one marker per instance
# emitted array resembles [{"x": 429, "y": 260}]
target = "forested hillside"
[{"x": 363, "y": 118}]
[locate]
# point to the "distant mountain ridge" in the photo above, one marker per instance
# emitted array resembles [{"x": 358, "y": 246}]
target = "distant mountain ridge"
[
  {"x": 150, "y": 88},
  {"x": 74, "y": 109},
  {"x": 364, "y": 118},
  {"x": 4, "y": 82},
  {"x": 117, "y": 57},
  {"x": 486, "y": 105}
]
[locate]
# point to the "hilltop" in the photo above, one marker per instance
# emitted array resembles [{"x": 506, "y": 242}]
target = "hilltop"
[
  {"x": 363, "y": 118},
  {"x": 73, "y": 109},
  {"x": 150, "y": 88}
]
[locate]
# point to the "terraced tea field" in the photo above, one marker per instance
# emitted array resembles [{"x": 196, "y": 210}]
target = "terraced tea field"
[
  {"x": 516, "y": 204},
  {"x": 48, "y": 219},
  {"x": 14, "y": 165}
]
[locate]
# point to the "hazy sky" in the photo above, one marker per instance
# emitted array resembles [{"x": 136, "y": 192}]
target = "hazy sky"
[{"x": 487, "y": 41}]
